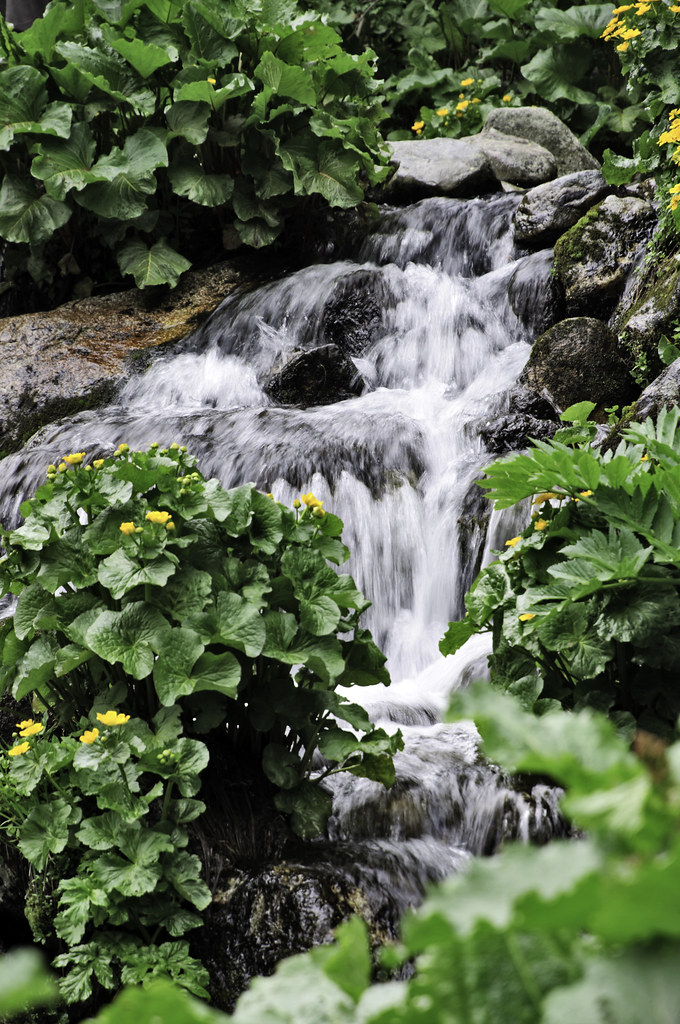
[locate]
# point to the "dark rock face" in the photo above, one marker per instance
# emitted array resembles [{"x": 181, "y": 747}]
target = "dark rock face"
[
  {"x": 542, "y": 127},
  {"x": 548, "y": 210},
  {"x": 352, "y": 318},
  {"x": 576, "y": 360},
  {"x": 650, "y": 310},
  {"x": 595, "y": 257},
  {"x": 534, "y": 294},
  {"x": 529, "y": 415},
  {"x": 318, "y": 377},
  {"x": 664, "y": 392},
  {"x": 75, "y": 357}
]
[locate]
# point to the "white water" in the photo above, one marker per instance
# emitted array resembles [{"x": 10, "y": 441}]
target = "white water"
[{"x": 397, "y": 464}]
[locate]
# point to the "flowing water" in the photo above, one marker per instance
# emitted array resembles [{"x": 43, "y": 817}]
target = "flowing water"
[{"x": 397, "y": 463}]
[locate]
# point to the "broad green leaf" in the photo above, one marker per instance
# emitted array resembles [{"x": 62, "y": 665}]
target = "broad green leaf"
[
  {"x": 130, "y": 878},
  {"x": 119, "y": 573},
  {"x": 577, "y": 413},
  {"x": 130, "y": 637},
  {"x": 188, "y": 178},
  {"x": 322, "y": 167},
  {"x": 183, "y": 871},
  {"x": 202, "y": 91},
  {"x": 112, "y": 75},
  {"x": 589, "y": 20},
  {"x": 219, "y": 672},
  {"x": 189, "y": 119},
  {"x": 63, "y": 164},
  {"x": 162, "y": 999},
  {"x": 150, "y": 266},
  {"x": 178, "y": 652},
  {"x": 285, "y": 80},
  {"x": 25, "y": 982},
  {"x": 456, "y": 635},
  {"x": 23, "y": 107},
  {"x": 46, "y": 831},
  {"x": 555, "y": 72},
  {"x": 240, "y": 624},
  {"x": 322, "y": 655},
  {"x": 508, "y": 8},
  {"x": 144, "y": 57},
  {"x": 319, "y": 616},
  {"x": 36, "y": 667},
  {"x": 77, "y": 898},
  {"x": 309, "y": 807},
  {"x": 208, "y": 31},
  {"x": 130, "y": 177},
  {"x": 62, "y": 20},
  {"x": 281, "y": 766},
  {"x": 26, "y": 216},
  {"x": 34, "y": 602}
]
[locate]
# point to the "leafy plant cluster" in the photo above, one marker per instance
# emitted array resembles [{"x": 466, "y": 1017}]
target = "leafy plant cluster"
[
  {"x": 101, "y": 818},
  {"x": 144, "y": 590},
  {"x": 586, "y": 929},
  {"x": 156, "y": 130},
  {"x": 542, "y": 53},
  {"x": 579, "y": 601},
  {"x": 646, "y": 36}
]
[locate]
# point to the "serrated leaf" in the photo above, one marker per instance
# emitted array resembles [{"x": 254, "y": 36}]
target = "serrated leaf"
[
  {"x": 63, "y": 164},
  {"x": 46, "y": 831},
  {"x": 287, "y": 80},
  {"x": 188, "y": 178},
  {"x": 26, "y": 216},
  {"x": 125, "y": 177},
  {"x": 150, "y": 266},
  {"x": 111, "y": 74},
  {"x": 119, "y": 573},
  {"x": 130, "y": 637},
  {"x": 189, "y": 119}
]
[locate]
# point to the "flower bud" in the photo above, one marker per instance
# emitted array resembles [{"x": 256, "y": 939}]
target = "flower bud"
[{"x": 297, "y": 503}]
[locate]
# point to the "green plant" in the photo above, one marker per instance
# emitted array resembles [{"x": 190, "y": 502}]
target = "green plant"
[
  {"x": 152, "y": 129},
  {"x": 102, "y": 818},
  {"x": 145, "y": 588},
  {"x": 578, "y": 603}
]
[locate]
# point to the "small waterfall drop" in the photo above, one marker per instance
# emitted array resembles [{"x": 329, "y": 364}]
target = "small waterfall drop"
[{"x": 397, "y": 463}]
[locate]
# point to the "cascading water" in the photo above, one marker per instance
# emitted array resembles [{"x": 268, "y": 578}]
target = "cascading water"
[{"x": 398, "y": 464}]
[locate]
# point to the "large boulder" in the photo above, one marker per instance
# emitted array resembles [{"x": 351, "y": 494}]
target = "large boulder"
[
  {"x": 77, "y": 356},
  {"x": 579, "y": 359},
  {"x": 320, "y": 376},
  {"x": 650, "y": 310},
  {"x": 594, "y": 258},
  {"x": 514, "y": 159},
  {"x": 542, "y": 127},
  {"x": 428, "y": 167},
  {"x": 662, "y": 393},
  {"x": 548, "y": 210}
]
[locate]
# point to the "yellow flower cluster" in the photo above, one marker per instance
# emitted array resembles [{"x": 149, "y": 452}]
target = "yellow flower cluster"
[
  {"x": 162, "y": 518},
  {"x": 26, "y": 728},
  {"x": 89, "y": 736},
  {"x": 112, "y": 718},
  {"x": 74, "y": 459},
  {"x": 127, "y": 528},
  {"x": 417, "y": 127},
  {"x": 310, "y": 501},
  {"x": 675, "y": 196},
  {"x": 618, "y": 28},
  {"x": 442, "y": 112}
]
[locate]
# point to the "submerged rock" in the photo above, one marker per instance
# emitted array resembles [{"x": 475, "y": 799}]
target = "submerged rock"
[
  {"x": 548, "y": 210},
  {"x": 534, "y": 294},
  {"x": 77, "y": 356},
  {"x": 320, "y": 376},
  {"x": 353, "y": 316},
  {"x": 579, "y": 359},
  {"x": 544, "y": 128},
  {"x": 594, "y": 258}
]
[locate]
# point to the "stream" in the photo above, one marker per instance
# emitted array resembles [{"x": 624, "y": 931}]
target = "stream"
[{"x": 398, "y": 464}]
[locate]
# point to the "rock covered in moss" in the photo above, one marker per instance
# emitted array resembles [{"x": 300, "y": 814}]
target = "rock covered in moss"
[
  {"x": 579, "y": 359},
  {"x": 650, "y": 310},
  {"x": 594, "y": 258},
  {"x": 544, "y": 128},
  {"x": 548, "y": 210}
]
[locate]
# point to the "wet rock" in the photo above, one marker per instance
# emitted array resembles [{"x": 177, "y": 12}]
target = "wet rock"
[
  {"x": 534, "y": 294},
  {"x": 75, "y": 357},
  {"x": 514, "y": 159},
  {"x": 542, "y": 127},
  {"x": 548, "y": 210},
  {"x": 320, "y": 376},
  {"x": 594, "y": 258},
  {"x": 576, "y": 360},
  {"x": 353, "y": 318},
  {"x": 514, "y": 432},
  {"x": 648, "y": 311},
  {"x": 429, "y": 167}
]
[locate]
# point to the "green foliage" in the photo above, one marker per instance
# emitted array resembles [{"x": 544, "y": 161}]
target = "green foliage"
[
  {"x": 584, "y": 605},
  {"x": 529, "y": 52},
  {"x": 24, "y": 983},
  {"x": 145, "y": 130},
  {"x": 647, "y": 37},
  {"x": 140, "y": 585}
]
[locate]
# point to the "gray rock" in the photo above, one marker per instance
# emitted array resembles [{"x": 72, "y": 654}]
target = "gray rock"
[
  {"x": 550, "y": 209},
  {"x": 541, "y": 126},
  {"x": 534, "y": 294},
  {"x": 514, "y": 159},
  {"x": 75, "y": 357},
  {"x": 649, "y": 310},
  {"x": 577, "y": 360},
  {"x": 430, "y": 167},
  {"x": 663, "y": 392},
  {"x": 594, "y": 258},
  {"x": 318, "y": 377}
]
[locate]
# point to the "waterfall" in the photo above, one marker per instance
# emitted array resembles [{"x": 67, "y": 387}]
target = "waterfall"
[{"x": 437, "y": 346}]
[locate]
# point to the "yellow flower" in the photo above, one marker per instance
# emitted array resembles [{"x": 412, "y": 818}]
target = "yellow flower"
[
  {"x": 620, "y": 10},
  {"x": 540, "y": 524},
  {"x": 417, "y": 127},
  {"x": 127, "y": 528},
  {"x": 442, "y": 112},
  {"x": 476, "y": 99},
  {"x": 98, "y": 463},
  {"x": 623, "y": 46},
  {"x": 642, "y": 9},
  {"x": 75, "y": 458},
  {"x": 26, "y": 724},
  {"x": 62, "y": 467},
  {"x": 511, "y": 543},
  {"x": 112, "y": 718},
  {"x": 675, "y": 8},
  {"x": 33, "y": 729},
  {"x": 644, "y": 458},
  {"x": 158, "y": 517},
  {"x": 463, "y": 105},
  {"x": 467, "y": 81},
  {"x": 21, "y": 749},
  {"x": 585, "y": 494},
  {"x": 89, "y": 736},
  {"x": 270, "y": 495},
  {"x": 122, "y": 448},
  {"x": 507, "y": 98},
  {"x": 544, "y": 496},
  {"x": 631, "y": 33},
  {"x": 310, "y": 501},
  {"x": 213, "y": 81},
  {"x": 527, "y": 616},
  {"x": 174, "y": 447},
  {"x": 51, "y": 468}
]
